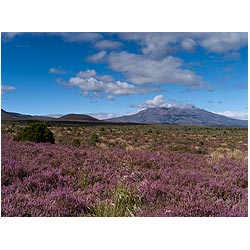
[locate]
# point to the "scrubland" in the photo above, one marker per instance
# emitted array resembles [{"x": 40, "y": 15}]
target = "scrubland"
[{"x": 133, "y": 170}]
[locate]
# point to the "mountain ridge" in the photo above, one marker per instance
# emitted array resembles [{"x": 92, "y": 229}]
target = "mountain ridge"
[
  {"x": 181, "y": 116},
  {"x": 157, "y": 115},
  {"x": 68, "y": 117}
]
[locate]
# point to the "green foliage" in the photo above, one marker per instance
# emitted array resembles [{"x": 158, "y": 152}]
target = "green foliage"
[
  {"x": 150, "y": 131},
  {"x": 126, "y": 203},
  {"x": 94, "y": 139},
  {"x": 200, "y": 151},
  {"x": 36, "y": 132},
  {"x": 84, "y": 181},
  {"x": 76, "y": 142}
]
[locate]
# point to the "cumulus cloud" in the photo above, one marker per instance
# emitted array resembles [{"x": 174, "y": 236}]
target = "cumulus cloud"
[
  {"x": 188, "y": 44},
  {"x": 115, "y": 88},
  {"x": 235, "y": 114},
  {"x": 158, "y": 45},
  {"x": 97, "y": 57},
  {"x": 92, "y": 73},
  {"x": 158, "y": 101},
  {"x": 155, "y": 45},
  {"x": 155, "y": 102},
  {"x": 87, "y": 73},
  {"x": 95, "y": 86},
  {"x": 105, "y": 78},
  {"x": 7, "y": 88},
  {"x": 141, "y": 70},
  {"x": 57, "y": 71},
  {"x": 221, "y": 42},
  {"x": 108, "y": 45}
]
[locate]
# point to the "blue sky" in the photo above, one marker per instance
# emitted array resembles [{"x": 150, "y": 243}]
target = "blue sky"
[{"x": 111, "y": 74}]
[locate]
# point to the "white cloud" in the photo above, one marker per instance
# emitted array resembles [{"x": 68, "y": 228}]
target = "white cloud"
[
  {"x": 7, "y": 88},
  {"x": 141, "y": 70},
  {"x": 235, "y": 114},
  {"x": 57, "y": 71},
  {"x": 114, "y": 88},
  {"x": 103, "y": 116},
  {"x": 66, "y": 36},
  {"x": 221, "y": 42},
  {"x": 158, "y": 101},
  {"x": 158, "y": 45},
  {"x": 87, "y": 73},
  {"x": 79, "y": 36},
  {"x": 105, "y": 78},
  {"x": 155, "y": 102},
  {"x": 98, "y": 57},
  {"x": 188, "y": 44},
  {"x": 92, "y": 73},
  {"x": 96, "y": 86},
  {"x": 155, "y": 45},
  {"x": 108, "y": 45}
]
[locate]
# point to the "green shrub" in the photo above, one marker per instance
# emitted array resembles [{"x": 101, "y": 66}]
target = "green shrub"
[
  {"x": 94, "y": 139},
  {"x": 76, "y": 142},
  {"x": 36, "y": 132},
  {"x": 150, "y": 131}
]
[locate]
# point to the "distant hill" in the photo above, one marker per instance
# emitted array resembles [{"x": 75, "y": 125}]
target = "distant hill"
[
  {"x": 69, "y": 117},
  {"x": 181, "y": 116},
  {"x": 77, "y": 117},
  {"x": 11, "y": 115}
]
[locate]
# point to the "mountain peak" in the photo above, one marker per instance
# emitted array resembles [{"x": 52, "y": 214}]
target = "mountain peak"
[{"x": 180, "y": 115}]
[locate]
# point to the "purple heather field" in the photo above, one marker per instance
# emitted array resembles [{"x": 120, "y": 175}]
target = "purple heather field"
[{"x": 129, "y": 171}]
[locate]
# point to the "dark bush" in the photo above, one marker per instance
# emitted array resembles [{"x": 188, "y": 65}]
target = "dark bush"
[
  {"x": 94, "y": 139},
  {"x": 36, "y": 132},
  {"x": 76, "y": 142}
]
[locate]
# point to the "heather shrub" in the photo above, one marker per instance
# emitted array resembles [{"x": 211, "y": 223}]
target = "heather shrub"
[
  {"x": 36, "y": 132},
  {"x": 176, "y": 179}
]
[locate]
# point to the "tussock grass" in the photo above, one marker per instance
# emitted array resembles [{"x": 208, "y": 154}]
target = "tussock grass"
[{"x": 124, "y": 204}]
